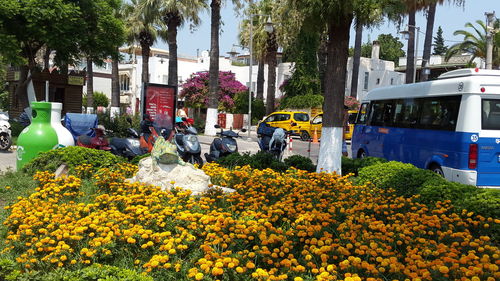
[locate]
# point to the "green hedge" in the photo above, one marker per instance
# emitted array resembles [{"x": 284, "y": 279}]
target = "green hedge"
[
  {"x": 352, "y": 166},
  {"x": 262, "y": 160},
  {"x": 72, "y": 156},
  {"x": 94, "y": 272},
  {"x": 409, "y": 180}
]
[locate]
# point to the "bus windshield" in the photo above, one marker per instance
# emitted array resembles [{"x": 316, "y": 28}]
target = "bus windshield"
[{"x": 490, "y": 114}]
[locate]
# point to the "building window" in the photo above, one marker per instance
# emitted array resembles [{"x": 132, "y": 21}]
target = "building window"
[
  {"x": 378, "y": 81},
  {"x": 365, "y": 84},
  {"x": 124, "y": 83},
  {"x": 392, "y": 81}
]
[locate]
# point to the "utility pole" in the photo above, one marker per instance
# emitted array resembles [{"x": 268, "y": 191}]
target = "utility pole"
[{"x": 490, "y": 17}]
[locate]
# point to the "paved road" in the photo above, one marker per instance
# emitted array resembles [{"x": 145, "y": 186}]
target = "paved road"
[{"x": 8, "y": 159}]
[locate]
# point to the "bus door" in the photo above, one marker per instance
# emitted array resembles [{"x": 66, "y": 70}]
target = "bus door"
[
  {"x": 486, "y": 146},
  {"x": 377, "y": 135}
]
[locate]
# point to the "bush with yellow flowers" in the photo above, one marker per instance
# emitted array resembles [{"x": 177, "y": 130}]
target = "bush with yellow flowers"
[{"x": 276, "y": 226}]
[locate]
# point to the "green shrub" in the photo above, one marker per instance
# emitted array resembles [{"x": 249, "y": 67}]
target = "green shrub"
[
  {"x": 260, "y": 160},
  {"x": 406, "y": 179},
  {"x": 435, "y": 190},
  {"x": 482, "y": 202},
  {"x": 72, "y": 156},
  {"x": 100, "y": 99},
  {"x": 94, "y": 272},
  {"x": 302, "y": 101},
  {"x": 350, "y": 165},
  {"x": 300, "y": 162},
  {"x": 8, "y": 270},
  {"x": 119, "y": 125}
]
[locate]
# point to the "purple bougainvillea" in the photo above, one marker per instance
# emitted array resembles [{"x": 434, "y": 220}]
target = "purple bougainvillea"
[{"x": 195, "y": 90}]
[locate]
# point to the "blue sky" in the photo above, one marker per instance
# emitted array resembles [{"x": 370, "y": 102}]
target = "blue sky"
[{"x": 449, "y": 17}]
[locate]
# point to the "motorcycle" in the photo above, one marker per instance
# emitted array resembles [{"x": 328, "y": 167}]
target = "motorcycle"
[
  {"x": 273, "y": 140},
  {"x": 99, "y": 141},
  {"x": 223, "y": 145},
  {"x": 187, "y": 143},
  {"x": 127, "y": 147},
  {"x": 151, "y": 130},
  {"x": 5, "y": 132}
]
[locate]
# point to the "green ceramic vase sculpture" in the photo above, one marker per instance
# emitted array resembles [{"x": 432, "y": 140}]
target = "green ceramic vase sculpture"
[{"x": 38, "y": 136}]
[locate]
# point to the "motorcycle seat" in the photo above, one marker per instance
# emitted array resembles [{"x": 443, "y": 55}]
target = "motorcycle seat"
[{"x": 85, "y": 140}]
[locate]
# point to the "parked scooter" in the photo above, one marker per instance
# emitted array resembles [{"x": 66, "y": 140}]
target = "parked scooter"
[
  {"x": 151, "y": 130},
  {"x": 223, "y": 145},
  {"x": 187, "y": 143},
  {"x": 127, "y": 147},
  {"x": 98, "y": 142},
  {"x": 5, "y": 133},
  {"x": 273, "y": 140}
]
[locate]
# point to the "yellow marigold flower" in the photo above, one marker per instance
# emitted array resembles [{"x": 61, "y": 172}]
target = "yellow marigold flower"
[
  {"x": 198, "y": 276},
  {"x": 298, "y": 279},
  {"x": 444, "y": 269}
]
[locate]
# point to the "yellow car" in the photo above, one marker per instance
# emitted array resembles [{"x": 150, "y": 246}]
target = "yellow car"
[
  {"x": 295, "y": 121},
  {"x": 317, "y": 121}
]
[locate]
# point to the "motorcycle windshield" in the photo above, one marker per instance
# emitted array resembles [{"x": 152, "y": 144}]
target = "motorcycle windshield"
[{"x": 164, "y": 121}]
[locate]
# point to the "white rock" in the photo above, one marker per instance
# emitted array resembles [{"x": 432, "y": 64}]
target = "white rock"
[{"x": 173, "y": 175}]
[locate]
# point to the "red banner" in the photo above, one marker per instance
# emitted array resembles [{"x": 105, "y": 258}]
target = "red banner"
[{"x": 159, "y": 99}]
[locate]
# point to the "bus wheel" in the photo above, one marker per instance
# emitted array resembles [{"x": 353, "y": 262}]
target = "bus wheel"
[
  {"x": 437, "y": 169},
  {"x": 361, "y": 154},
  {"x": 304, "y": 136}
]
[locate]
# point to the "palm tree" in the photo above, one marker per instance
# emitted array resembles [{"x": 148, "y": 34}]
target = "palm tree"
[
  {"x": 213, "y": 87},
  {"x": 142, "y": 28},
  {"x": 474, "y": 43},
  {"x": 174, "y": 14},
  {"x": 356, "y": 59},
  {"x": 258, "y": 46}
]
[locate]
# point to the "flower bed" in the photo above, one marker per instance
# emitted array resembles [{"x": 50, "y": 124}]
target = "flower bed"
[{"x": 277, "y": 226}]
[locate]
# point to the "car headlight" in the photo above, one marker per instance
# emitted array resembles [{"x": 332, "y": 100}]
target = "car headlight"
[{"x": 231, "y": 147}]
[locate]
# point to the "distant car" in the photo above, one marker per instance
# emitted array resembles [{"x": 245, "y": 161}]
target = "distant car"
[
  {"x": 295, "y": 121},
  {"x": 317, "y": 124}
]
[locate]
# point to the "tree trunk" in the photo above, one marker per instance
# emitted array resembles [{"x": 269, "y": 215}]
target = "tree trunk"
[
  {"x": 90, "y": 86},
  {"x": 46, "y": 58},
  {"x": 330, "y": 153},
  {"x": 260, "y": 79},
  {"x": 173, "y": 23},
  {"x": 21, "y": 90},
  {"x": 213, "y": 86},
  {"x": 145, "y": 50},
  {"x": 431, "y": 13},
  {"x": 115, "y": 88},
  {"x": 356, "y": 60},
  {"x": 410, "y": 54},
  {"x": 322, "y": 61},
  {"x": 271, "y": 50}
]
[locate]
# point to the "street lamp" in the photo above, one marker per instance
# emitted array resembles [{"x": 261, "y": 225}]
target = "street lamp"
[
  {"x": 268, "y": 27},
  {"x": 406, "y": 34}
]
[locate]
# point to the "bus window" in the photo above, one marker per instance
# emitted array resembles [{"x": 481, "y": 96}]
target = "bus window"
[
  {"x": 440, "y": 113},
  {"x": 491, "y": 115},
  {"x": 362, "y": 114},
  {"x": 382, "y": 113}
]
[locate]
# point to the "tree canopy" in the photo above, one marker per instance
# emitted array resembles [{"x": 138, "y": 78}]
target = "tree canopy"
[
  {"x": 28, "y": 25},
  {"x": 391, "y": 49},
  {"x": 439, "y": 47},
  {"x": 195, "y": 90}
]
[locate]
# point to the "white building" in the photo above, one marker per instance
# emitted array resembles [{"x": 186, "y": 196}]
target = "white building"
[{"x": 373, "y": 73}]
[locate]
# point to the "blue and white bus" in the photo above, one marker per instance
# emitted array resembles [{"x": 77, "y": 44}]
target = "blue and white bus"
[{"x": 450, "y": 125}]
